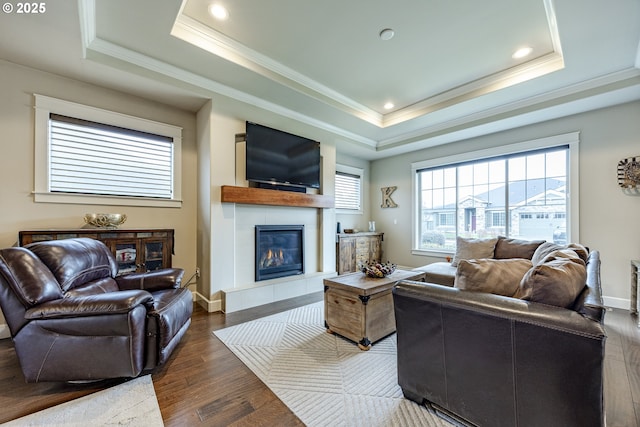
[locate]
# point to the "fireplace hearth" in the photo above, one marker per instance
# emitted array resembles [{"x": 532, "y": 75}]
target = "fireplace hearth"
[{"x": 279, "y": 251}]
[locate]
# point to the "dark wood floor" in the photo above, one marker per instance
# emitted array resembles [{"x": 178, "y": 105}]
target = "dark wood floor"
[{"x": 205, "y": 384}]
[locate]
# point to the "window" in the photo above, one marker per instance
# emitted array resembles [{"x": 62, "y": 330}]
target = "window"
[
  {"x": 348, "y": 197},
  {"x": 518, "y": 191},
  {"x": 92, "y": 156}
]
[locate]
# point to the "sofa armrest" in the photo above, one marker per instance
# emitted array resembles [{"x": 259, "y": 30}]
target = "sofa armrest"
[
  {"x": 166, "y": 278},
  {"x": 91, "y": 305}
]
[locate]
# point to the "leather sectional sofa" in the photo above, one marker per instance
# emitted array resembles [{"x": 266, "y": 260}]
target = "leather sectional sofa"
[{"x": 494, "y": 360}]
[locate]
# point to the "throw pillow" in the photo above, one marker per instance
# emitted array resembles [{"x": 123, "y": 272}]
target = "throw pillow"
[
  {"x": 557, "y": 282},
  {"x": 564, "y": 253},
  {"x": 495, "y": 276},
  {"x": 543, "y": 251},
  {"x": 473, "y": 249},
  {"x": 515, "y": 248},
  {"x": 582, "y": 251}
]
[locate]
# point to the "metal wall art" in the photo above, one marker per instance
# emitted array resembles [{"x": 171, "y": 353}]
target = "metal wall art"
[{"x": 387, "y": 201}]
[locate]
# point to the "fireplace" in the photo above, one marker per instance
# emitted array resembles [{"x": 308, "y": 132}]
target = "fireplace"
[{"x": 279, "y": 251}]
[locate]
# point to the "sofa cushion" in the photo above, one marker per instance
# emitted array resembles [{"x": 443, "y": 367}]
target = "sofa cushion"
[
  {"x": 467, "y": 248},
  {"x": 557, "y": 281},
  {"x": 515, "y": 248},
  {"x": 440, "y": 273},
  {"x": 495, "y": 276}
]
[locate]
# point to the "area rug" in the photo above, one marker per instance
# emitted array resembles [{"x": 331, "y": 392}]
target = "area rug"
[
  {"x": 133, "y": 403},
  {"x": 323, "y": 378}
]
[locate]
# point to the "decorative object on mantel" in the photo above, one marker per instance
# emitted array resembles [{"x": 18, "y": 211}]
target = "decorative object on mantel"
[
  {"x": 349, "y": 230},
  {"x": 378, "y": 270},
  {"x": 629, "y": 175},
  {"x": 105, "y": 220},
  {"x": 387, "y": 201}
]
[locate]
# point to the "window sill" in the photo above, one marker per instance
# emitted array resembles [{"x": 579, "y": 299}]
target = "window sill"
[
  {"x": 433, "y": 253},
  {"x": 86, "y": 199}
]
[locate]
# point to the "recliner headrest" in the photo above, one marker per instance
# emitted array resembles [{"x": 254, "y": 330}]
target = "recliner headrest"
[{"x": 76, "y": 261}]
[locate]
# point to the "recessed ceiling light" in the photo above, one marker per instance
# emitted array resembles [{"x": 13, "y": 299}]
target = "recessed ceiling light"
[
  {"x": 388, "y": 106},
  {"x": 218, "y": 11},
  {"x": 522, "y": 52},
  {"x": 387, "y": 34}
]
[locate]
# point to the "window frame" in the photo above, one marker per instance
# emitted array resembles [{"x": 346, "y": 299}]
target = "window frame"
[
  {"x": 45, "y": 105},
  {"x": 350, "y": 170},
  {"x": 571, "y": 139}
]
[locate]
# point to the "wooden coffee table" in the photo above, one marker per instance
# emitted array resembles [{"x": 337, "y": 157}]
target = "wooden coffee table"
[{"x": 360, "y": 308}]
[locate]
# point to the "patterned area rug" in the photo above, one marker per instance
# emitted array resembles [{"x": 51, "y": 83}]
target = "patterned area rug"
[
  {"x": 325, "y": 379},
  {"x": 133, "y": 403}
]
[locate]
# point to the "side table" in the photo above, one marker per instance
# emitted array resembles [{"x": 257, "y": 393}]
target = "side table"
[{"x": 360, "y": 308}]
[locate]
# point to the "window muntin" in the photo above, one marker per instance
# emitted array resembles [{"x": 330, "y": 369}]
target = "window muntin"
[{"x": 521, "y": 195}]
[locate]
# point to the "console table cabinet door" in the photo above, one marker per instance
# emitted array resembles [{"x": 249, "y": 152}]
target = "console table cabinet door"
[
  {"x": 135, "y": 250},
  {"x": 352, "y": 250}
]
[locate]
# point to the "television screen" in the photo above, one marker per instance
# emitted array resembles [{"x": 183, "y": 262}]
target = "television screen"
[{"x": 281, "y": 158}]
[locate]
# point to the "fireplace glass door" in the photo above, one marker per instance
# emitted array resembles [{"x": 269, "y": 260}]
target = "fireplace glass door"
[{"x": 279, "y": 251}]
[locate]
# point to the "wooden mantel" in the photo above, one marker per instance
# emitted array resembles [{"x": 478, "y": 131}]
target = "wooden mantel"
[{"x": 261, "y": 196}]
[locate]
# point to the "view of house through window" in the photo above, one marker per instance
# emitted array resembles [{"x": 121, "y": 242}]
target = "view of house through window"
[{"x": 522, "y": 196}]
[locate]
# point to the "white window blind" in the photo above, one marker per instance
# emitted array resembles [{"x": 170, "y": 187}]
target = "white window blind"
[
  {"x": 348, "y": 191},
  {"x": 93, "y": 158}
]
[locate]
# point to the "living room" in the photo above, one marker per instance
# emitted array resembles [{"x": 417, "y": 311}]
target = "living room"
[{"x": 213, "y": 237}]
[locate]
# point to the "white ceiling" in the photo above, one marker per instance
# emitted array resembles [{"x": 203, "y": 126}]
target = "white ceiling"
[{"x": 320, "y": 69}]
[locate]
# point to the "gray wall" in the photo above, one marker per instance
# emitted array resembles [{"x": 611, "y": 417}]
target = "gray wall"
[
  {"x": 358, "y": 221},
  {"x": 609, "y": 219}
]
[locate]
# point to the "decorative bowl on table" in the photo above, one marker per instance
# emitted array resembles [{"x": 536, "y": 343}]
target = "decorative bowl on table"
[
  {"x": 378, "y": 270},
  {"x": 105, "y": 220}
]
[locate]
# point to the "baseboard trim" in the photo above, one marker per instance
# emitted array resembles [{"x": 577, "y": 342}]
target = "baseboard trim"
[
  {"x": 614, "y": 302},
  {"x": 4, "y": 331},
  {"x": 207, "y": 304}
]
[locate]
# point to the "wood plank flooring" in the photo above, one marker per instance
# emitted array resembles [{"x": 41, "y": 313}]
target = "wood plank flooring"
[{"x": 204, "y": 384}]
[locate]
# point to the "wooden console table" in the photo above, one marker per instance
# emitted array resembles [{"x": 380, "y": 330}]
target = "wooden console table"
[
  {"x": 357, "y": 248},
  {"x": 136, "y": 250}
]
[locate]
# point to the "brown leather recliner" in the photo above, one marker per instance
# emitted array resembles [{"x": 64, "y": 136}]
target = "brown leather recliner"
[{"x": 72, "y": 319}]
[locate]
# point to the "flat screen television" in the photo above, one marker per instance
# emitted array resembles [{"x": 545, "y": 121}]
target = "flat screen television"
[{"x": 281, "y": 159}]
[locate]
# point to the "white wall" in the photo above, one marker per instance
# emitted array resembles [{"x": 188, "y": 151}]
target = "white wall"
[
  {"x": 609, "y": 219},
  {"x": 20, "y": 212}
]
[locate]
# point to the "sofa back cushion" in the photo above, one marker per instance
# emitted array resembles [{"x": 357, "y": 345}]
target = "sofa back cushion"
[
  {"x": 495, "y": 276},
  {"x": 515, "y": 248},
  {"x": 75, "y": 262},
  {"x": 558, "y": 280},
  {"x": 467, "y": 248}
]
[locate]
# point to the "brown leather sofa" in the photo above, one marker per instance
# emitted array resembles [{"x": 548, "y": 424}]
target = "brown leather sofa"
[
  {"x": 489, "y": 360},
  {"x": 72, "y": 319}
]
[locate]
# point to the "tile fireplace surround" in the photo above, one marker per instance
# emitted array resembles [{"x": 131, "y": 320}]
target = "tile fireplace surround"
[{"x": 319, "y": 254}]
